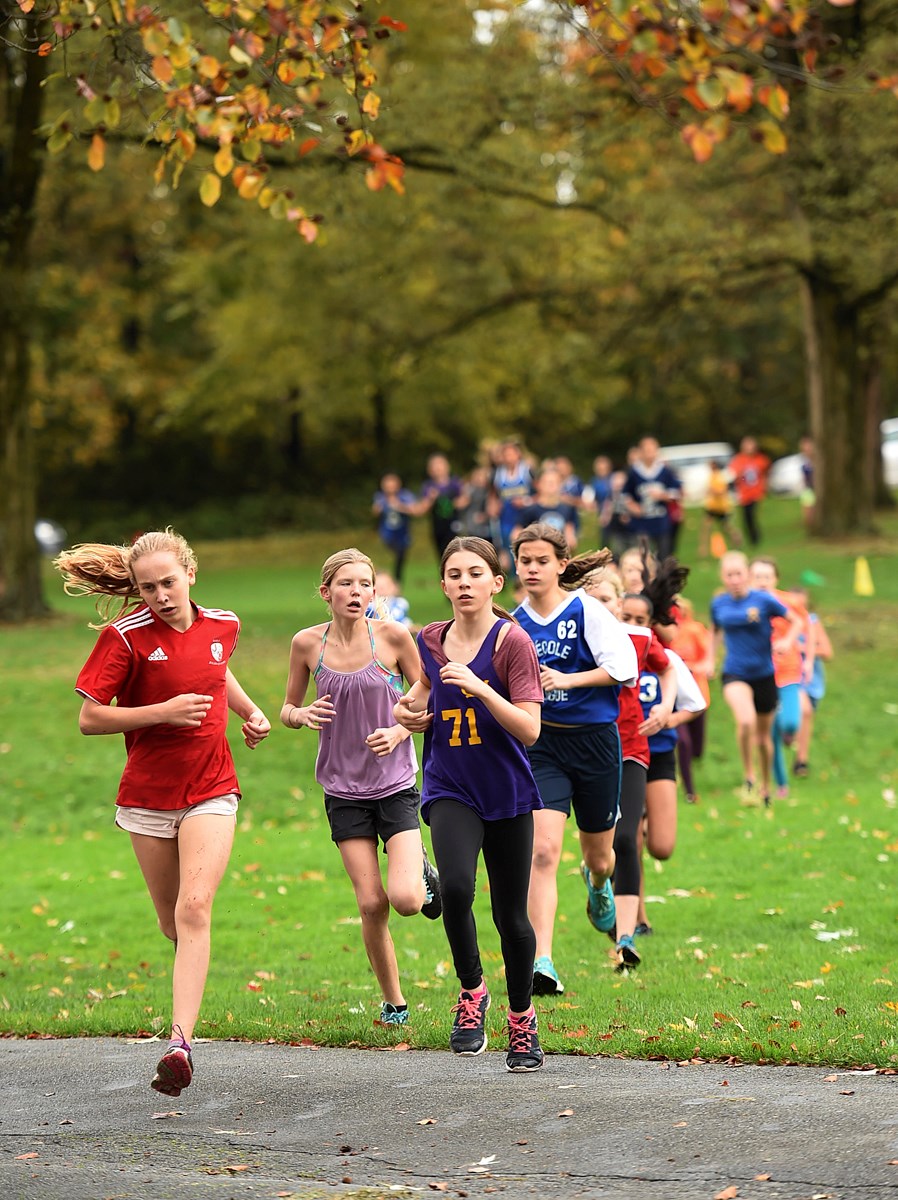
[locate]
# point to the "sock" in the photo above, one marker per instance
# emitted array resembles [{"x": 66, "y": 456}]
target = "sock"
[
  {"x": 595, "y": 880},
  {"x": 478, "y": 991},
  {"x": 177, "y": 1041},
  {"x": 529, "y": 1015}
]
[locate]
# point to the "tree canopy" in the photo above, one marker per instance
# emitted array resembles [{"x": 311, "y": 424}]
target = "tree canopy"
[{"x": 527, "y": 242}]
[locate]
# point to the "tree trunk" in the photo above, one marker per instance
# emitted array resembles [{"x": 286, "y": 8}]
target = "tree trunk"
[
  {"x": 843, "y": 408},
  {"x": 21, "y": 162}
]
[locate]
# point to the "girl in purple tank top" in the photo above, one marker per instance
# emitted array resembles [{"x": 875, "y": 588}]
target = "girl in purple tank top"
[
  {"x": 477, "y": 703},
  {"x": 366, "y": 763}
]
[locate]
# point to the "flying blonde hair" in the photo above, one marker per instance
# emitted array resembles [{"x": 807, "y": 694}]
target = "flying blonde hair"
[{"x": 106, "y": 571}]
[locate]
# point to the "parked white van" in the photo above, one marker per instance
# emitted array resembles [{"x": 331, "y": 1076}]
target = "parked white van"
[
  {"x": 692, "y": 463},
  {"x": 786, "y": 479}
]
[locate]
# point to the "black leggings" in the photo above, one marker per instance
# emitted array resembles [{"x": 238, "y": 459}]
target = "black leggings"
[
  {"x": 690, "y": 745},
  {"x": 750, "y": 521},
  {"x": 458, "y": 835},
  {"x": 627, "y": 869}
]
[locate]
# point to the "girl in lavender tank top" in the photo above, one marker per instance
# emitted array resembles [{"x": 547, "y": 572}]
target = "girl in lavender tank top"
[
  {"x": 477, "y": 702},
  {"x": 366, "y": 763}
]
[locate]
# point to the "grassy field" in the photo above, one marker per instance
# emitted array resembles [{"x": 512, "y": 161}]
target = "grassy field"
[{"x": 776, "y": 934}]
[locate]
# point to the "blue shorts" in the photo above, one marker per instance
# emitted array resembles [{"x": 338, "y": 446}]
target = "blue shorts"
[{"x": 579, "y": 766}]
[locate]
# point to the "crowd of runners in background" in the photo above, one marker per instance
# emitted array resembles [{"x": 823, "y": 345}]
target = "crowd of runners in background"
[{"x": 579, "y": 704}]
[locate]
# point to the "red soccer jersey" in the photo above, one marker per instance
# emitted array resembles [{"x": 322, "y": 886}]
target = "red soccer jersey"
[
  {"x": 139, "y": 660},
  {"x": 651, "y": 656}
]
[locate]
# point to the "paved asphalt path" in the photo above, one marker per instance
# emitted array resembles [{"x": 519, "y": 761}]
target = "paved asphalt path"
[{"x": 78, "y": 1122}]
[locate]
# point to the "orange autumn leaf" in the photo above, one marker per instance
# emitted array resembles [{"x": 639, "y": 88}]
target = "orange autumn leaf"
[
  {"x": 96, "y": 155},
  {"x": 162, "y": 69},
  {"x": 698, "y": 141}
]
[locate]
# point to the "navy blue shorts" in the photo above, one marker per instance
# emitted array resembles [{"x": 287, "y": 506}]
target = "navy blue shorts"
[{"x": 579, "y": 766}]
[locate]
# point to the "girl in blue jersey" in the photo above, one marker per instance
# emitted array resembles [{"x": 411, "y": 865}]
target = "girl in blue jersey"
[
  {"x": 477, "y": 702},
  {"x": 585, "y": 657},
  {"x": 741, "y": 618}
]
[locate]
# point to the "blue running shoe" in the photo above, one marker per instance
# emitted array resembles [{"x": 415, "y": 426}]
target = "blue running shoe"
[
  {"x": 599, "y": 903},
  {"x": 627, "y": 954},
  {"x": 545, "y": 978},
  {"x": 393, "y": 1014},
  {"x": 433, "y": 900}
]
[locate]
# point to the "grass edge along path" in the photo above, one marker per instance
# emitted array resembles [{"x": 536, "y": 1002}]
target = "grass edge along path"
[{"x": 775, "y": 931}]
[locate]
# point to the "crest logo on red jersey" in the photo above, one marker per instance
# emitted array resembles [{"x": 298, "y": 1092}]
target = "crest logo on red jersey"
[{"x": 217, "y": 651}]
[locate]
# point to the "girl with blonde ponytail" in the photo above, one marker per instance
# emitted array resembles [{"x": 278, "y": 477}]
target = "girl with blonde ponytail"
[{"x": 159, "y": 675}]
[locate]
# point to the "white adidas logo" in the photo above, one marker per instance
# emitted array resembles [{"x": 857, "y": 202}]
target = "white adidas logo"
[{"x": 158, "y": 655}]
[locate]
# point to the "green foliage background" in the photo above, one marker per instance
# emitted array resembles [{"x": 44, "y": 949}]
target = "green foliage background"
[{"x": 559, "y": 267}]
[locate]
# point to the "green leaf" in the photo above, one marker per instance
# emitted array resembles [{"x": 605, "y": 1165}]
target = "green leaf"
[
  {"x": 210, "y": 189},
  {"x": 58, "y": 140},
  {"x": 712, "y": 92}
]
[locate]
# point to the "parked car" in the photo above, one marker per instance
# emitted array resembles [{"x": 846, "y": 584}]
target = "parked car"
[
  {"x": 692, "y": 464},
  {"x": 785, "y": 478}
]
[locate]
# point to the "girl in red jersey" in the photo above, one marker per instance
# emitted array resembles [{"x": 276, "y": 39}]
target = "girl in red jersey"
[
  {"x": 635, "y": 729},
  {"x": 164, "y": 661},
  {"x": 478, "y": 704}
]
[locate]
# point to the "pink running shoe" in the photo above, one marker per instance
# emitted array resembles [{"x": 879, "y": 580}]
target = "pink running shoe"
[
  {"x": 524, "y": 1050},
  {"x": 468, "y": 1034},
  {"x": 174, "y": 1071}
]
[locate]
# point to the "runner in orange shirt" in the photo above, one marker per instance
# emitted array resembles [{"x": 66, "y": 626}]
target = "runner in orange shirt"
[
  {"x": 749, "y": 470},
  {"x": 791, "y": 668}
]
